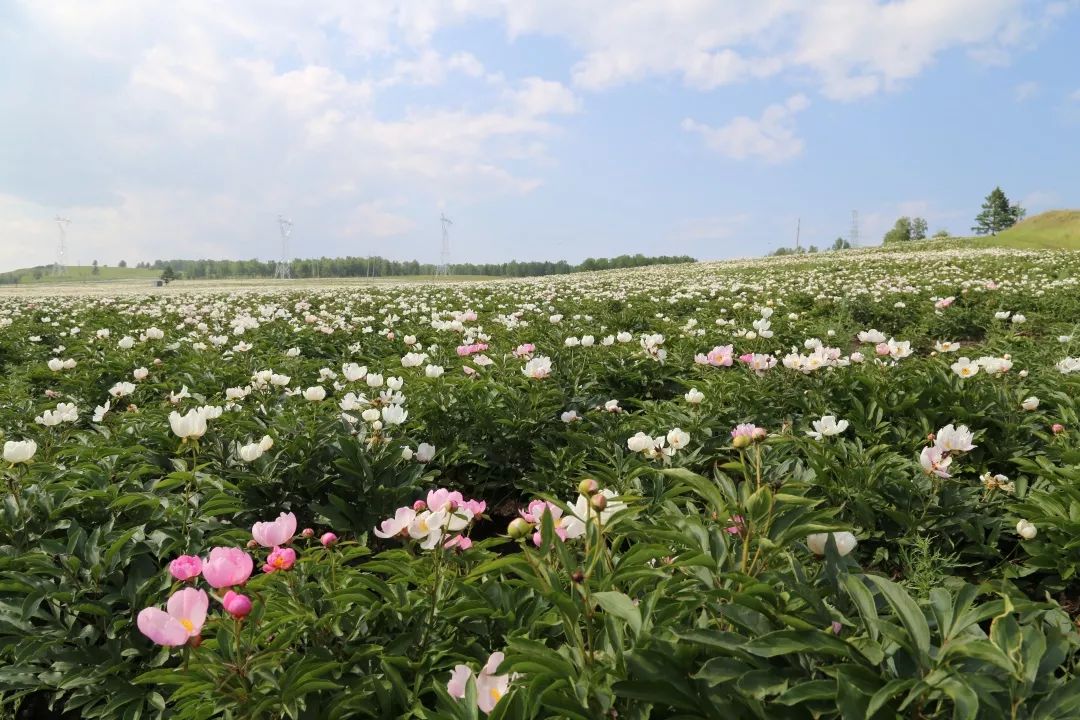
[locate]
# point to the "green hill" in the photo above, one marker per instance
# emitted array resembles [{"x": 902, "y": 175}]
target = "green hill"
[
  {"x": 1056, "y": 229},
  {"x": 76, "y": 274}
]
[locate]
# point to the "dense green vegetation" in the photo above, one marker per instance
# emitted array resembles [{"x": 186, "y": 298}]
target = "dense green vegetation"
[{"x": 842, "y": 485}]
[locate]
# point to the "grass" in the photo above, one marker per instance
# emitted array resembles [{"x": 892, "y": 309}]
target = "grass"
[
  {"x": 81, "y": 274},
  {"x": 1053, "y": 230}
]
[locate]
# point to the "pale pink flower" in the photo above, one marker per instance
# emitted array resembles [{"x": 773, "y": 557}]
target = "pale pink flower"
[
  {"x": 182, "y": 620},
  {"x": 460, "y": 542},
  {"x": 275, "y": 532},
  {"x": 720, "y": 356},
  {"x": 935, "y": 461},
  {"x": 226, "y": 567},
  {"x": 397, "y": 525}
]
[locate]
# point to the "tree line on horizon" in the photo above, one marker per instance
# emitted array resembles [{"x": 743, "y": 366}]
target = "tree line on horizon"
[{"x": 349, "y": 267}]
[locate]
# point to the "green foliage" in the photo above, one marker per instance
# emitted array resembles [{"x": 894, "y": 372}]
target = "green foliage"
[
  {"x": 699, "y": 590},
  {"x": 906, "y": 229}
]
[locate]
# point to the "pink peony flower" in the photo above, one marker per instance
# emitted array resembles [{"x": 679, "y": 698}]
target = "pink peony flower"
[
  {"x": 442, "y": 499},
  {"x": 280, "y": 559},
  {"x": 882, "y": 349},
  {"x": 1058, "y": 428},
  {"x": 720, "y": 356},
  {"x": 275, "y": 532},
  {"x": 328, "y": 539},
  {"x": 458, "y": 541},
  {"x": 236, "y": 604},
  {"x": 227, "y": 567},
  {"x": 185, "y": 567},
  {"x": 524, "y": 350},
  {"x": 182, "y": 620},
  {"x": 476, "y": 507}
]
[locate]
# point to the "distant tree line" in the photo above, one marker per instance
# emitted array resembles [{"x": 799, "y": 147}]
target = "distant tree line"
[{"x": 347, "y": 267}]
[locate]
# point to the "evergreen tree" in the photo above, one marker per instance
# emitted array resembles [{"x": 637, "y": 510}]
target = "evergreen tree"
[{"x": 997, "y": 214}]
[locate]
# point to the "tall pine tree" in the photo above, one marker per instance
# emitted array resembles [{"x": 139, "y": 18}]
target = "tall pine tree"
[{"x": 997, "y": 214}]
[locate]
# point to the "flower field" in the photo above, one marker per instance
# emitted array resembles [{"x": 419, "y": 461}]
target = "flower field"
[{"x": 837, "y": 487}]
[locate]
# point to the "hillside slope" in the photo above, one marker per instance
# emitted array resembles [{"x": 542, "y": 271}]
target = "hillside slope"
[{"x": 1055, "y": 229}]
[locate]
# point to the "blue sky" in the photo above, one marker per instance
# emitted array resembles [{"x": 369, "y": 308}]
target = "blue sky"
[{"x": 546, "y": 129}]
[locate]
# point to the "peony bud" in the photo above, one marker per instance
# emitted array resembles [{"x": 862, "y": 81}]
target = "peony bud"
[
  {"x": 588, "y": 487},
  {"x": 1026, "y": 530},
  {"x": 307, "y": 533},
  {"x": 236, "y": 604},
  {"x": 740, "y": 441},
  {"x": 328, "y": 539},
  {"x": 598, "y": 502},
  {"x": 518, "y": 528}
]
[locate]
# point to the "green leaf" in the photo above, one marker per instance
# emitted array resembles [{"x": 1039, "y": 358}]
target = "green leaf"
[
  {"x": 911, "y": 616},
  {"x": 621, "y": 606}
]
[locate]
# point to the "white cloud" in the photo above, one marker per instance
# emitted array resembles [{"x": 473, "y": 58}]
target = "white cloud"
[
  {"x": 374, "y": 219},
  {"x": 771, "y": 137},
  {"x": 544, "y": 97},
  {"x": 158, "y": 114},
  {"x": 1025, "y": 91}
]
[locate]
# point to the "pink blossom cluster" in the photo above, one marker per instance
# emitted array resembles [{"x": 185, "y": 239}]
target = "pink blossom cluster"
[
  {"x": 444, "y": 516},
  {"x": 748, "y": 430},
  {"x": 758, "y": 362},
  {"x": 225, "y": 568},
  {"x": 467, "y": 350},
  {"x": 524, "y": 351}
]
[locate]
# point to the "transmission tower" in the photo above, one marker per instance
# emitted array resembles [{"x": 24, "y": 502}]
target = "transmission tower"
[
  {"x": 281, "y": 272},
  {"x": 853, "y": 236},
  {"x": 62, "y": 223},
  {"x": 444, "y": 258}
]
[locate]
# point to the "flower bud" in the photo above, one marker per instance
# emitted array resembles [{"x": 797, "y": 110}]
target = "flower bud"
[
  {"x": 588, "y": 487},
  {"x": 1026, "y": 530},
  {"x": 518, "y": 528},
  {"x": 578, "y": 577},
  {"x": 328, "y": 539},
  {"x": 307, "y": 533},
  {"x": 252, "y": 544},
  {"x": 1058, "y": 428},
  {"x": 598, "y": 502},
  {"x": 740, "y": 441},
  {"x": 236, "y": 604}
]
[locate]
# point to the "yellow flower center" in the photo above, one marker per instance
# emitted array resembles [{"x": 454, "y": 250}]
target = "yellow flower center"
[
  {"x": 496, "y": 694},
  {"x": 188, "y": 625}
]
